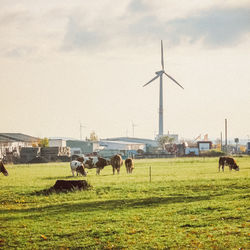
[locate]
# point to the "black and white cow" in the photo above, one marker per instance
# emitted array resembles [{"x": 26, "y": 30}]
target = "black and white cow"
[
  {"x": 78, "y": 167},
  {"x": 94, "y": 162}
]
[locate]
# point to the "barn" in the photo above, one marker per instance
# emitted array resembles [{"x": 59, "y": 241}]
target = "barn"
[{"x": 11, "y": 144}]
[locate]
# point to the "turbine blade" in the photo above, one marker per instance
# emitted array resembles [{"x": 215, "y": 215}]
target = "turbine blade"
[
  {"x": 151, "y": 80},
  {"x": 173, "y": 79},
  {"x": 162, "y": 60}
]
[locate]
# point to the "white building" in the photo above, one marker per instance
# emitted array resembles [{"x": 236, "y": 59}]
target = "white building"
[
  {"x": 13, "y": 142},
  {"x": 122, "y": 145},
  {"x": 57, "y": 143}
]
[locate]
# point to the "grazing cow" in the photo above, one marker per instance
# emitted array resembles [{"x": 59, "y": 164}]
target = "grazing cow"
[
  {"x": 116, "y": 162},
  {"x": 229, "y": 161},
  {"x": 78, "y": 167},
  {"x": 94, "y": 162},
  {"x": 100, "y": 164},
  {"x": 3, "y": 169},
  {"x": 129, "y": 165},
  {"x": 89, "y": 162}
]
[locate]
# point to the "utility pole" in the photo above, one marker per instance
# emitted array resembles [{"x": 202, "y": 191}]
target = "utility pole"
[
  {"x": 81, "y": 126},
  {"x": 221, "y": 141},
  {"x": 226, "y": 134}
]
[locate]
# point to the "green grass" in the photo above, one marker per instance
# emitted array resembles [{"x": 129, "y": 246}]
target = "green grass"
[{"x": 188, "y": 204}]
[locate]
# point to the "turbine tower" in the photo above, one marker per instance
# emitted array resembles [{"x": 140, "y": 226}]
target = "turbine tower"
[{"x": 159, "y": 74}]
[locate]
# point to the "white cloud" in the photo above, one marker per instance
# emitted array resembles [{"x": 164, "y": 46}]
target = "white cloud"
[{"x": 214, "y": 27}]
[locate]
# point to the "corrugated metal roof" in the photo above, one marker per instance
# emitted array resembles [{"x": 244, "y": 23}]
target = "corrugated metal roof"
[
  {"x": 11, "y": 137},
  {"x": 4, "y": 139},
  {"x": 134, "y": 140},
  {"x": 121, "y": 142}
]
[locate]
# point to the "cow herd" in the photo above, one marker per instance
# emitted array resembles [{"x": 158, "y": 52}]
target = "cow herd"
[{"x": 79, "y": 165}]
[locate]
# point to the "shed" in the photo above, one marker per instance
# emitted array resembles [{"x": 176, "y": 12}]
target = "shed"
[
  {"x": 204, "y": 145},
  {"x": 191, "y": 151}
]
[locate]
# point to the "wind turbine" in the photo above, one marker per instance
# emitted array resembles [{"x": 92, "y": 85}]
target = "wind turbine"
[{"x": 159, "y": 74}]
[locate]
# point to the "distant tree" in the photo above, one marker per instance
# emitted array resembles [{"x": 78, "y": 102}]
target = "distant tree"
[
  {"x": 217, "y": 144},
  {"x": 164, "y": 140},
  {"x": 43, "y": 142},
  {"x": 217, "y": 141},
  {"x": 93, "y": 136}
]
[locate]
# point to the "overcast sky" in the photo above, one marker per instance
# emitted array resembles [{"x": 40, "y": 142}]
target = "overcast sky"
[{"x": 66, "y": 62}]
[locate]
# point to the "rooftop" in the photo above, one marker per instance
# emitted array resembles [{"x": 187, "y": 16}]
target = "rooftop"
[{"x": 17, "y": 137}]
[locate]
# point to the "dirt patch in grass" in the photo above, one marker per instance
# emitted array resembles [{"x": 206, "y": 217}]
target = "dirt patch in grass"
[{"x": 65, "y": 186}]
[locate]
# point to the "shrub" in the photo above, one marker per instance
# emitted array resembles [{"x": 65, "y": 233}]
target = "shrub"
[{"x": 212, "y": 153}]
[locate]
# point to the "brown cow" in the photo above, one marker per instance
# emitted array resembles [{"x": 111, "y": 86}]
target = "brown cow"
[
  {"x": 116, "y": 162},
  {"x": 129, "y": 165},
  {"x": 3, "y": 169},
  {"x": 100, "y": 164},
  {"x": 229, "y": 161}
]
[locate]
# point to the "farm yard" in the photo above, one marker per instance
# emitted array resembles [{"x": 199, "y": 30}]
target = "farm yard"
[{"x": 187, "y": 204}]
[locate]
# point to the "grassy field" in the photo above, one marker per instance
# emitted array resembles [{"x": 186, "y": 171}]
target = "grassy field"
[{"x": 187, "y": 204}]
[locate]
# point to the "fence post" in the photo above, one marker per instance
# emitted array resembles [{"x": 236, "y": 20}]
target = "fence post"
[{"x": 150, "y": 174}]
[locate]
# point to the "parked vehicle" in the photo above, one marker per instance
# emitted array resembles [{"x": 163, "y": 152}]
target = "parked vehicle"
[{"x": 248, "y": 148}]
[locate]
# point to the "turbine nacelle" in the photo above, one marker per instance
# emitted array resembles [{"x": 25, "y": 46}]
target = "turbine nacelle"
[{"x": 159, "y": 72}]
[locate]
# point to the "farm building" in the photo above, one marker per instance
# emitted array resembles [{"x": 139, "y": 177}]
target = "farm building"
[
  {"x": 191, "y": 151},
  {"x": 149, "y": 144},
  {"x": 136, "y": 140},
  {"x": 108, "y": 153},
  {"x": 11, "y": 143},
  {"x": 204, "y": 145},
  {"x": 122, "y": 145},
  {"x": 82, "y": 147},
  {"x": 57, "y": 143},
  {"x": 151, "y": 147}
]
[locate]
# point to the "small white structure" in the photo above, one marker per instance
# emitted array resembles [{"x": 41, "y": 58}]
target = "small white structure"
[
  {"x": 204, "y": 145},
  {"x": 57, "y": 143},
  {"x": 191, "y": 151},
  {"x": 122, "y": 145}
]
